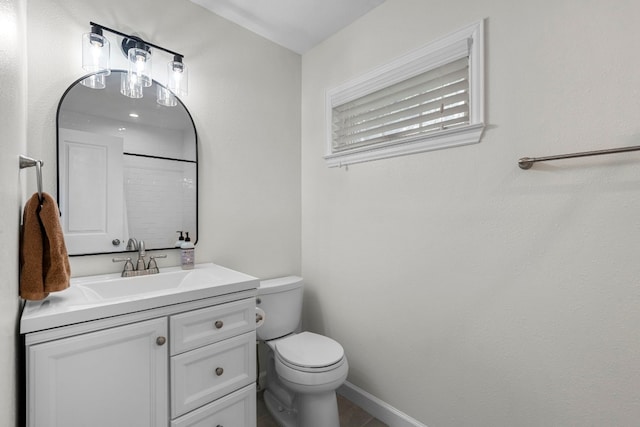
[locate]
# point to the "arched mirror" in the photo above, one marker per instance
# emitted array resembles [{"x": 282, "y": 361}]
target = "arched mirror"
[{"x": 127, "y": 169}]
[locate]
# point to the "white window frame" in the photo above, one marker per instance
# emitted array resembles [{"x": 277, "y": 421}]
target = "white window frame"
[{"x": 435, "y": 54}]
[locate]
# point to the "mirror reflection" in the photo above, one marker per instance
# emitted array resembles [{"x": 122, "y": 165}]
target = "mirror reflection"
[{"x": 127, "y": 169}]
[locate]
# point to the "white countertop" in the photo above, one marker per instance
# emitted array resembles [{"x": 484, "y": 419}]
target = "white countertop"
[{"x": 95, "y": 297}]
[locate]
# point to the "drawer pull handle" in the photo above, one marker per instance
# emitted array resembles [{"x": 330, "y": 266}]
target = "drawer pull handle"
[
  {"x": 219, "y": 324},
  {"x": 161, "y": 340},
  {"x": 219, "y": 371}
]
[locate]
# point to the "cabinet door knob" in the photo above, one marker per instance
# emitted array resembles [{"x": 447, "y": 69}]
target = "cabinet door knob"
[
  {"x": 161, "y": 340},
  {"x": 219, "y": 324},
  {"x": 219, "y": 371}
]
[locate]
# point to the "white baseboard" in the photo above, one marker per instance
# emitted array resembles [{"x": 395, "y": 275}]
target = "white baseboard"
[{"x": 376, "y": 407}]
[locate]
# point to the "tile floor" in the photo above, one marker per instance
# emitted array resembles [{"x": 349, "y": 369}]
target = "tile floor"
[{"x": 350, "y": 415}]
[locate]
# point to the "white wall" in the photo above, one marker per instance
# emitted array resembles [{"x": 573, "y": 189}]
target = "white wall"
[
  {"x": 466, "y": 291},
  {"x": 244, "y": 97},
  {"x": 245, "y": 101},
  {"x": 12, "y": 144}
]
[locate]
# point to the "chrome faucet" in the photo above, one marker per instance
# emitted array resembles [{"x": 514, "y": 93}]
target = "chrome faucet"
[
  {"x": 140, "y": 265},
  {"x": 141, "y": 268},
  {"x": 132, "y": 244}
]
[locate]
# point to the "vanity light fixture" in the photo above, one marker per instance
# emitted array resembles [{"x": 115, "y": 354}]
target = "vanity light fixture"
[
  {"x": 138, "y": 76},
  {"x": 95, "y": 57}
]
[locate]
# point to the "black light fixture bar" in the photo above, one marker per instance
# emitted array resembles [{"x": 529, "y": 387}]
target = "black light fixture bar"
[{"x": 138, "y": 39}]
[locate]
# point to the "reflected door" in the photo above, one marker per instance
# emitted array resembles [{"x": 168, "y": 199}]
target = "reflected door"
[{"x": 91, "y": 197}]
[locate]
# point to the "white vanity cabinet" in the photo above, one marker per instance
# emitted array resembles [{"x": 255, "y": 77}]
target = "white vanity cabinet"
[
  {"x": 188, "y": 364},
  {"x": 101, "y": 378}
]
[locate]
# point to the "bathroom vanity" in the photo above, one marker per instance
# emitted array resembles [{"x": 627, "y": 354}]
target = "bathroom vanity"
[{"x": 172, "y": 349}]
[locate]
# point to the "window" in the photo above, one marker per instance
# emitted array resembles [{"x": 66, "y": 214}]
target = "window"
[{"x": 427, "y": 100}]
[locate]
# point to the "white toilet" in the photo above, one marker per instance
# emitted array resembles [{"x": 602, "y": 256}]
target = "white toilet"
[{"x": 304, "y": 369}]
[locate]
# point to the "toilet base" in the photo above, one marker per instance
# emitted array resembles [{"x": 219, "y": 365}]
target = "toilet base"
[
  {"x": 318, "y": 410},
  {"x": 283, "y": 416},
  {"x": 313, "y": 410}
]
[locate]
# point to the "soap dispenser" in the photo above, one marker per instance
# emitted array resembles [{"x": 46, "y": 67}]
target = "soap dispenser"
[
  {"x": 187, "y": 253},
  {"x": 180, "y": 240}
]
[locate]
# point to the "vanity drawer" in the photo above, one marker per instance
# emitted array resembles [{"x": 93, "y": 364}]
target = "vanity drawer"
[
  {"x": 208, "y": 373},
  {"x": 237, "y": 409},
  {"x": 208, "y": 325}
]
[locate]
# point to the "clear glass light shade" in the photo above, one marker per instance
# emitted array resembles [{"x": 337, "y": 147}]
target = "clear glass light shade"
[
  {"x": 130, "y": 88},
  {"x": 95, "y": 59},
  {"x": 140, "y": 67},
  {"x": 166, "y": 97},
  {"x": 95, "y": 53},
  {"x": 95, "y": 81},
  {"x": 178, "y": 78}
]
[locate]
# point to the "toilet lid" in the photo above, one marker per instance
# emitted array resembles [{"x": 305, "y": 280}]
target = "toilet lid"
[{"x": 309, "y": 350}]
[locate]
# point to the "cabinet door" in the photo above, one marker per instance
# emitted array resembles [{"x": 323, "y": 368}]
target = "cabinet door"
[{"x": 115, "y": 377}]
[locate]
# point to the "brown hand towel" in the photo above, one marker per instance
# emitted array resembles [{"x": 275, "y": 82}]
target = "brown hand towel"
[{"x": 44, "y": 263}]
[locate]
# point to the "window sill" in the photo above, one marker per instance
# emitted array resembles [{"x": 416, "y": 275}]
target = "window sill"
[{"x": 466, "y": 135}]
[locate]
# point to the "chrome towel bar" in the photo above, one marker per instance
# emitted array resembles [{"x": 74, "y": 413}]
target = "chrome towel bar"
[
  {"x": 27, "y": 162},
  {"x": 527, "y": 162}
]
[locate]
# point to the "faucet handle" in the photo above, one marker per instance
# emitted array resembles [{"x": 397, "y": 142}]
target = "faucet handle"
[
  {"x": 128, "y": 265},
  {"x": 152, "y": 261}
]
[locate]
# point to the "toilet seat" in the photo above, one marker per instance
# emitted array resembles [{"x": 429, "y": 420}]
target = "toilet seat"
[
  {"x": 309, "y": 352},
  {"x": 331, "y": 363}
]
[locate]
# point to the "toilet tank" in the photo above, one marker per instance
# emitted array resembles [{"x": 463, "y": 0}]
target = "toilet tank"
[{"x": 281, "y": 301}]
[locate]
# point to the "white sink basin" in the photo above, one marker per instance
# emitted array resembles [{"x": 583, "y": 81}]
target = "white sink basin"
[
  {"x": 94, "y": 297},
  {"x": 121, "y": 287}
]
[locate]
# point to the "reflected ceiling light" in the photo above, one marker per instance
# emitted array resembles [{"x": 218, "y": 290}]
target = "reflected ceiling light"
[
  {"x": 129, "y": 87},
  {"x": 138, "y": 76},
  {"x": 166, "y": 97},
  {"x": 95, "y": 57}
]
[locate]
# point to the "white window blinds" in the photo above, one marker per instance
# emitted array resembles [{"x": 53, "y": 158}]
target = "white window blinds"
[
  {"x": 435, "y": 100},
  {"x": 427, "y": 99}
]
